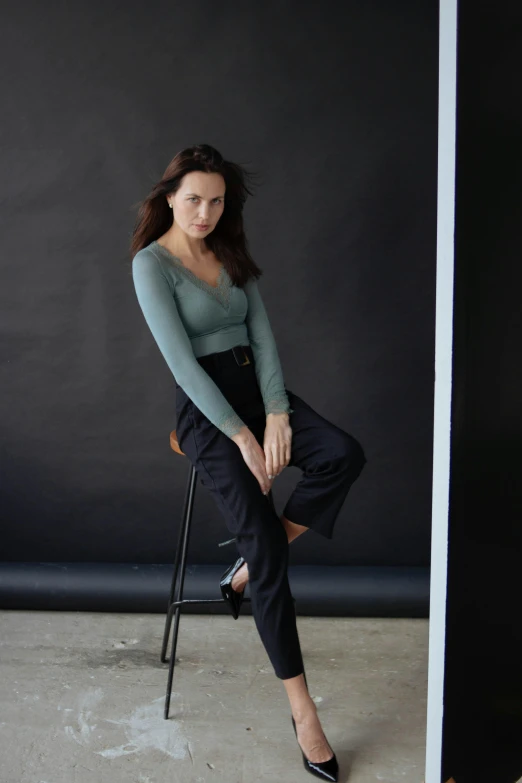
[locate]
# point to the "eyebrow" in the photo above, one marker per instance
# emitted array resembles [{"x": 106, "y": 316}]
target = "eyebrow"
[{"x": 197, "y": 194}]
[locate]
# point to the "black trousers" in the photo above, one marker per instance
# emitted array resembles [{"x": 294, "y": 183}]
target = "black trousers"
[{"x": 330, "y": 459}]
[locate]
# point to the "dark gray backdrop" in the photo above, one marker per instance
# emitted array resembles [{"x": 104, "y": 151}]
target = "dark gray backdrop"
[{"x": 338, "y": 111}]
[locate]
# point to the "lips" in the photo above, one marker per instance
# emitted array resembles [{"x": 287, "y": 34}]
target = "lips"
[{"x": 199, "y": 226}]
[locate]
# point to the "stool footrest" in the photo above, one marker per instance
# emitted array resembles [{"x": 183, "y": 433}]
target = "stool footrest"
[{"x": 201, "y": 601}]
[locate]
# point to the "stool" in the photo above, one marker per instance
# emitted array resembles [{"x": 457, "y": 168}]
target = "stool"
[{"x": 176, "y": 599}]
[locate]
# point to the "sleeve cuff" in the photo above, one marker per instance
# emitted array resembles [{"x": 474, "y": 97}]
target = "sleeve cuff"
[
  {"x": 278, "y": 405},
  {"x": 231, "y": 425}
]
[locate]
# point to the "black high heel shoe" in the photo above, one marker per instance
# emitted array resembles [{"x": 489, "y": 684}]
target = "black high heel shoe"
[
  {"x": 233, "y": 598},
  {"x": 326, "y": 770}
]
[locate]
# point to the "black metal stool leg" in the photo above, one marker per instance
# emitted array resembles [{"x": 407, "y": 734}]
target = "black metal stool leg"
[
  {"x": 175, "y": 606},
  {"x": 185, "y": 521}
]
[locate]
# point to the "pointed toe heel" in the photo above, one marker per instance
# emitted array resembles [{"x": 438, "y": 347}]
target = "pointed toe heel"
[
  {"x": 231, "y": 596},
  {"x": 326, "y": 770}
]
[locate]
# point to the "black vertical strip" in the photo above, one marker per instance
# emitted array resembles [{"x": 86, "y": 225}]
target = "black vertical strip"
[{"x": 482, "y": 736}]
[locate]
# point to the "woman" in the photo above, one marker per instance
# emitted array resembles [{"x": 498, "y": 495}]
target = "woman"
[{"x": 236, "y": 421}]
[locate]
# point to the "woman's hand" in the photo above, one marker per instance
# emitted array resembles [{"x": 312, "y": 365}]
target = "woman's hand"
[
  {"x": 254, "y": 456},
  {"x": 277, "y": 444},
  {"x": 275, "y": 454}
]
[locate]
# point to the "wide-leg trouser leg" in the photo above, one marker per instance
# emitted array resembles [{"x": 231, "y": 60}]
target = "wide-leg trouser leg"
[
  {"x": 331, "y": 460},
  {"x": 260, "y": 537}
]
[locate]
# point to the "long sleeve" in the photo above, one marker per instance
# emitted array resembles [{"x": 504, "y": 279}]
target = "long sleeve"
[
  {"x": 268, "y": 367},
  {"x": 162, "y": 316}
]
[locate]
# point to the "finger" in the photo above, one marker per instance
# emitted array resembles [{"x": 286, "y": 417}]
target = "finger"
[
  {"x": 269, "y": 461},
  {"x": 257, "y": 467},
  {"x": 282, "y": 456},
  {"x": 262, "y": 457},
  {"x": 288, "y": 452},
  {"x": 266, "y": 484},
  {"x": 275, "y": 461},
  {"x": 262, "y": 478}
]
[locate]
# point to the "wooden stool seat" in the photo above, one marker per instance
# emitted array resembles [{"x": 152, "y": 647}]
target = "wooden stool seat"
[{"x": 174, "y": 445}]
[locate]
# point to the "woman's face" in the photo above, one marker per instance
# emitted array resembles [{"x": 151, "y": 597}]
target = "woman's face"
[{"x": 199, "y": 201}]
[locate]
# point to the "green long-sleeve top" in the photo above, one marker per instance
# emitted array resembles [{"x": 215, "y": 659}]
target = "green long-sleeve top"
[{"x": 190, "y": 318}]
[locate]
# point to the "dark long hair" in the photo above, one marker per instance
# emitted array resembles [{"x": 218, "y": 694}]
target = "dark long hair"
[{"x": 227, "y": 241}]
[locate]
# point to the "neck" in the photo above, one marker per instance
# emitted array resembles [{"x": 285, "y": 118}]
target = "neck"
[{"x": 183, "y": 245}]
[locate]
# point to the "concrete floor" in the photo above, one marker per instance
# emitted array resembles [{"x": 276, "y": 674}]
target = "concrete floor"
[{"x": 82, "y": 697}]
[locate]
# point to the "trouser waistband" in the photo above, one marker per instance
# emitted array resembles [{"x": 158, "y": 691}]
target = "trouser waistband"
[{"x": 239, "y": 355}]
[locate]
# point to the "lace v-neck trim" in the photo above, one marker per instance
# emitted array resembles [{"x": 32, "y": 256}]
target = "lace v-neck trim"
[{"x": 221, "y": 291}]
